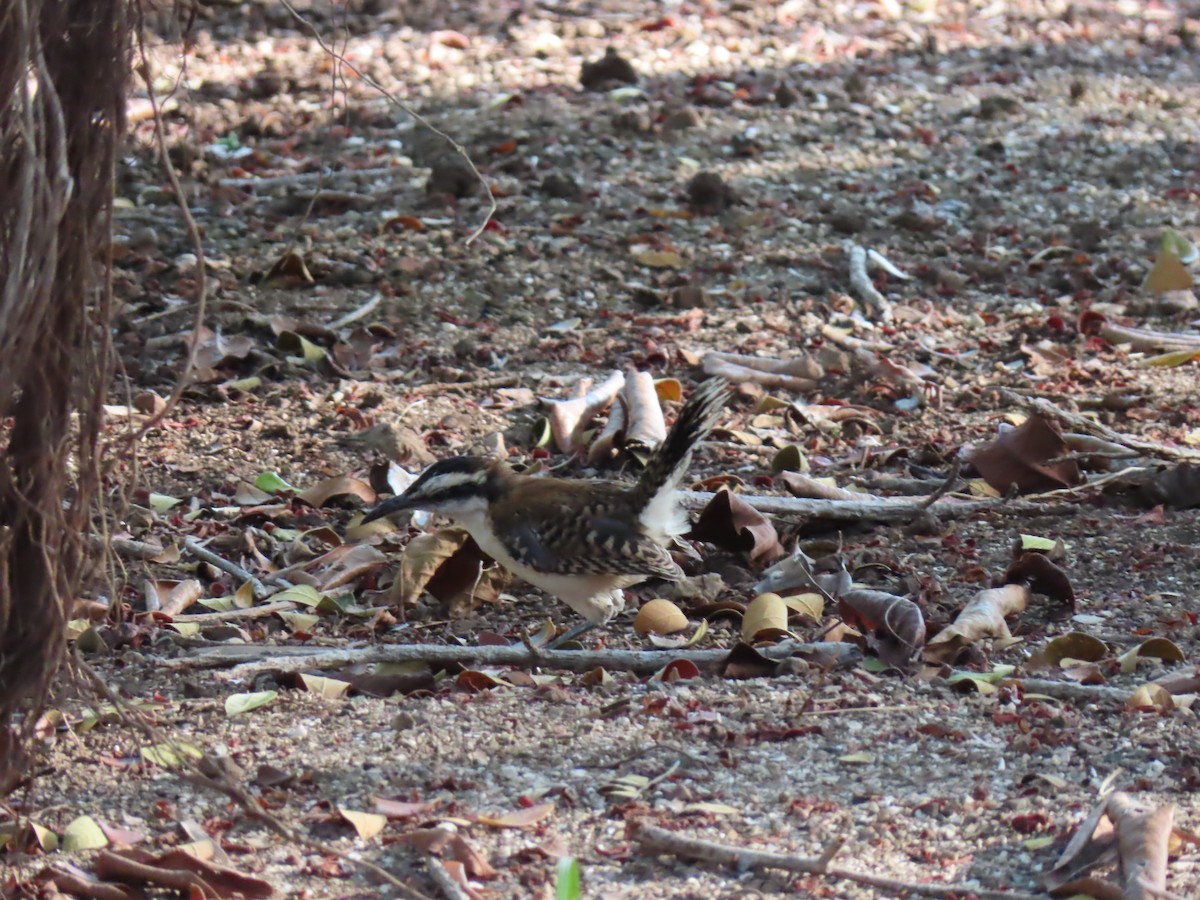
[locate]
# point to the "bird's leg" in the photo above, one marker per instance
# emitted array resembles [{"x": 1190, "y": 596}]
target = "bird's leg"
[{"x": 571, "y": 634}]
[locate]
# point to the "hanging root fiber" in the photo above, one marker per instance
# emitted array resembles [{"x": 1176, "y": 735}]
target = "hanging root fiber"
[{"x": 64, "y": 66}]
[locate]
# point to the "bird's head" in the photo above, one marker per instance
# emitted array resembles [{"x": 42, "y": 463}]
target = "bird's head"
[{"x": 457, "y": 486}]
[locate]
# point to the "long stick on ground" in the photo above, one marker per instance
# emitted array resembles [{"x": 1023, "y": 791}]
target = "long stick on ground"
[
  {"x": 653, "y": 839},
  {"x": 255, "y": 658},
  {"x": 880, "y": 509}
]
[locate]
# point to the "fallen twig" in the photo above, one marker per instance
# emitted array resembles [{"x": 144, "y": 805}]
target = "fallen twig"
[
  {"x": 860, "y": 282},
  {"x": 250, "y": 612},
  {"x": 254, "y": 658},
  {"x": 656, "y": 840},
  {"x": 300, "y": 178},
  {"x": 127, "y": 547},
  {"x": 355, "y": 314},
  {"x": 1083, "y": 423},
  {"x": 880, "y": 509},
  {"x": 483, "y": 384},
  {"x": 1070, "y": 690},
  {"x": 1148, "y": 339},
  {"x": 444, "y": 880},
  {"x": 196, "y": 549}
]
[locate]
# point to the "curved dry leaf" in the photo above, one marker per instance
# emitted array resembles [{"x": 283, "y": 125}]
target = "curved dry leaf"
[
  {"x": 520, "y": 818},
  {"x": 982, "y": 617},
  {"x": 568, "y": 418},
  {"x": 681, "y": 640},
  {"x": 645, "y": 427},
  {"x": 1151, "y": 696},
  {"x": 340, "y": 486},
  {"x": 669, "y": 389},
  {"x": 659, "y": 617},
  {"x": 733, "y": 524},
  {"x": 329, "y": 688},
  {"x": 800, "y": 485},
  {"x": 1042, "y": 575},
  {"x": 765, "y": 619},
  {"x": 809, "y": 606},
  {"x": 366, "y": 824},
  {"x": 1077, "y": 646},
  {"x": 236, "y": 704},
  {"x": 790, "y": 460},
  {"x": 1153, "y": 648},
  {"x": 744, "y": 661},
  {"x": 401, "y": 809},
  {"x": 1143, "y": 844},
  {"x": 893, "y": 626},
  {"x": 1021, "y": 457}
]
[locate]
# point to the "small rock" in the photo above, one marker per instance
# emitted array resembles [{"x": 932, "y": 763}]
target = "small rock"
[
  {"x": 682, "y": 119},
  {"x": 785, "y": 95},
  {"x": 560, "y": 187},
  {"x": 610, "y": 70},
  {"x": 993, "y": 151},
  {"x": 995, "y": 106},
  {"x": 690, "y": 296},
  {"x": 847, "y": 220},
  {"x": 631, "y": 122},
  {"x": 450, "y": 175},
  {"x": 1077, "y": 90},
  {"x": 708, "y": 193}
]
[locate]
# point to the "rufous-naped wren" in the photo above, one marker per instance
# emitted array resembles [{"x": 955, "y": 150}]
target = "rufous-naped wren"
[{"x": 582, "y": 540}]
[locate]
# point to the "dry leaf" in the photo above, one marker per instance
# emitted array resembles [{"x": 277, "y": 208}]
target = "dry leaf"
[
  {"x": 340, "y": 486},
  {"x": 982, "y": 617},
  {"x": 893, "y": 626},
  {"x": 1022, "y": 457},
  {"x": 366, "y": 824},
  {"x": 733, "y": 524},
  {"x": 765, "y": 619},
  {"x": 520, "y": 818},
  {"x": 659, "y": 617}
]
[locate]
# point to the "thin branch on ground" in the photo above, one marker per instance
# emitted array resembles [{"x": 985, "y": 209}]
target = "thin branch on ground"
[
  {"x": 655, "y": 840},
  {"x": 861, "y": 284},
  {"x": 444, "y": 880},
  {"x": 203, "y": 776},
  {"x": 882, "y": 509},
  {"x": 484, "y": 384},
  {"x": 194, "y": 547},
  {"x": 1083, "y": 423},
  {"x": 250, "y": 612},
  {"x": 250, "y": 659},
  {"x": 407, "y": 110}
]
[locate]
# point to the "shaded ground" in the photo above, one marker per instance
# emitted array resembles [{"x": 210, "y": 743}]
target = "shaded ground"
[{"x": 1020, "y": 160}]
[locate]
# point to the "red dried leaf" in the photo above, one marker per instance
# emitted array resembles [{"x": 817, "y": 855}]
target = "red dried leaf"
[
  {"x": 1022, "y": 457},
  {"x": 731, "y": 523}
]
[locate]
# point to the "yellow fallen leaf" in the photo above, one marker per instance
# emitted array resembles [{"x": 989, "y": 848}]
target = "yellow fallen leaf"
[
  {"x": 1151, "y": 696},
  {"x": 765, "y": 619},
  {"x": 1172, "y": 359},
  {"x": 1167, "y": 274},
  {"x": 366, "y": 824},
  {"x": 659, "y": 617},
  {"x": 658, "y": 259}
]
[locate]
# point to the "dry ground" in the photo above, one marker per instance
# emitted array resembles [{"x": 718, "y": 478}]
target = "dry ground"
[{"x": 1020, "y": 159}]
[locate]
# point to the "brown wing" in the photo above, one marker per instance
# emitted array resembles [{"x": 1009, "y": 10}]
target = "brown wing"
[{"x": 569, "y": 527}]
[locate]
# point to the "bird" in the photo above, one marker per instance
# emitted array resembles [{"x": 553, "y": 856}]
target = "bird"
[{"x": 581, "y": 540}]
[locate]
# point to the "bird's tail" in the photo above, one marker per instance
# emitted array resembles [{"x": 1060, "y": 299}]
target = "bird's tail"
[{"x": 670, "y": 460}]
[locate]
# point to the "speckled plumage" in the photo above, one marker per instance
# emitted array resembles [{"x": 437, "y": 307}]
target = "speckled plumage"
[{"x": 582, "y": 540}]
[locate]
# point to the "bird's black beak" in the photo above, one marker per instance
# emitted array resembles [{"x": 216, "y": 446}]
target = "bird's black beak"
[{"x": 387, "y": 508}]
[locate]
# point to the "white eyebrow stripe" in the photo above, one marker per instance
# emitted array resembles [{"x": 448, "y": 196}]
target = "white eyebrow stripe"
[{"x": 454, "y": 479}]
